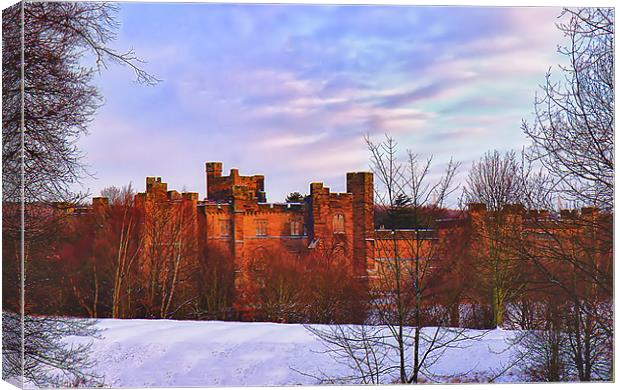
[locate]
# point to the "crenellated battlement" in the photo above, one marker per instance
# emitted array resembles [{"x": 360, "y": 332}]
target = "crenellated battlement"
[
  {"x": 223, "y": 188},
  {"x": 236, "y": 216}
]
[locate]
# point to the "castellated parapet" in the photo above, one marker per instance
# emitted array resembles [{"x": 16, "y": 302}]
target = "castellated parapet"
[
  {"x": 219, "y": 188},
  {"x": 236, "y": 217}
]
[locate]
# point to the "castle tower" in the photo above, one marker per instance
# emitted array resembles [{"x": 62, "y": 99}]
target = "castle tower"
[
  {"x": 154, "y": 185},
  {"x": 220, "y": 188},
  {"x": 214, "y": 173},
  {"x": 100, "y": 205},
  {"x": 360, "y": 185}
]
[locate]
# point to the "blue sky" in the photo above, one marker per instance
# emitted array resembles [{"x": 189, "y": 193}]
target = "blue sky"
[{"x": 289, "y": 91}]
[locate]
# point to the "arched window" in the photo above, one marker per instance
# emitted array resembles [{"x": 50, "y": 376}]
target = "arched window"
[{"x": 338, "y": 223}]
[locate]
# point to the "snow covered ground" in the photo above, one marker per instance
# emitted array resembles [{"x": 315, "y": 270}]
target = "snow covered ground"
[{"x": 164, "y": 353}]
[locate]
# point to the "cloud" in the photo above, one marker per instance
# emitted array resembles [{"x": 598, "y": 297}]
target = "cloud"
[
  {"x": 287, "y": 141},
  {"x": 290, "y": 91}
]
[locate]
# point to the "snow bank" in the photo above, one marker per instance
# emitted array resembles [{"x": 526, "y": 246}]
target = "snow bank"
[{"x": 166, "y": 353}]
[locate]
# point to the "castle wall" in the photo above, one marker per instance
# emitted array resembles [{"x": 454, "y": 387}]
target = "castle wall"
[
  {"x": 246, "y": 228},
  {"x": 398, "y": 251}
]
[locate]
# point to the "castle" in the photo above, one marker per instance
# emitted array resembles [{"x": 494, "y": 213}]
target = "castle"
[{"x": 236, "y": 217}]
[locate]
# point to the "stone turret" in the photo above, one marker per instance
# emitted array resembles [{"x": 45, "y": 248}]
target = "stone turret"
[
  {"x": 220, "y": 188},
  {"x": 360, "y": 184}
]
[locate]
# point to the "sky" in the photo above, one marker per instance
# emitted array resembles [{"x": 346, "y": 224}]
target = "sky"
[{"x": 290, "y": 91}]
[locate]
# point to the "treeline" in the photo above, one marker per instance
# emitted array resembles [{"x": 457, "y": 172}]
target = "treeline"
[
  {"x": 123, "y": 260},
  {"x": 484, "y": 269}
]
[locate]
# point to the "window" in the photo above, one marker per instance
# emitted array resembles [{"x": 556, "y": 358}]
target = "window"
[
  {"x": 224, "y": 228},
  {"x": 296, "y": 228},
  {"x": 261, "y": 228},
  {"x": 338, "y": 223}
]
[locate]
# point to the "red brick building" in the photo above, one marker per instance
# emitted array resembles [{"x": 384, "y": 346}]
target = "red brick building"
[{"x": 235, "y": 216}]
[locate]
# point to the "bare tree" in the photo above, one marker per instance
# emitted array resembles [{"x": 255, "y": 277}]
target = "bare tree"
[
  {"x": 572, "y": 132},
  {"x": 48, "y": 101},
  {"x": 365, "y": 349},
  {"x": 58, "y": 99},
  {"x": 572, "y": 137},
  {"x": 496, "y": 182},
  {"x": 169, "y": 255},
  {"x": 47, "y": 359},
  {"x": 540, "y": 352},
  {"x": 396, "y": 342},
  {"x": 214, "y": 282},
  {"x": 559, "y": 349},
  {"x": 572, "y": 266},
  {"x": 121, "y": 202},
  {"x": 333, "y": 291},
  {"x": 403, "y": 278}
]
